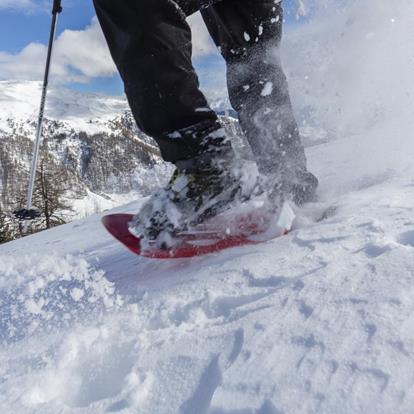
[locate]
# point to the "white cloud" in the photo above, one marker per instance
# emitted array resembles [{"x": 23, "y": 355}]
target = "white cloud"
[
  {"x": 80, "y": 55},
  {"x": 84, "y": 53},
  {"x": 25, "y": 5},
  {"x": 28, "y": 64}
]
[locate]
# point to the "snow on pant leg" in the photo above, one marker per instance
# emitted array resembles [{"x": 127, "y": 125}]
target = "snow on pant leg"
[
  {"x": 248, "y": 34},
  {"x": 150, "y": 43}
]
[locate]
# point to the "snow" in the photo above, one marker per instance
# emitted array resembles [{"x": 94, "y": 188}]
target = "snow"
[
  {"x": 20, "y": 100},
  {"x": 325, "y": 313},
  {"x": 267, "y": 89},
  {"x": 318, "y": 321}
]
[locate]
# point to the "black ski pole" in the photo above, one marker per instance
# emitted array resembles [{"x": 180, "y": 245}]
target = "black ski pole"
[{"x": 30, "y": 212}]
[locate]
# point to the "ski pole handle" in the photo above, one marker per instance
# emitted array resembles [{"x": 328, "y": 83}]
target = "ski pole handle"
[{"x": 57, "y": 6}]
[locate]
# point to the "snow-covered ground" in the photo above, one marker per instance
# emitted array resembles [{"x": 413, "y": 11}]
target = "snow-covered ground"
[{"x": 318, "y": 321}]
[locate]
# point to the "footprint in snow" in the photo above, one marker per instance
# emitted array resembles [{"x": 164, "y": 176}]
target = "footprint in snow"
[{"x": 407, "y": 238}]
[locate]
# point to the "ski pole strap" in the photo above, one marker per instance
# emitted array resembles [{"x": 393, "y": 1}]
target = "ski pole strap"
[{"x": 57, "y": 6}]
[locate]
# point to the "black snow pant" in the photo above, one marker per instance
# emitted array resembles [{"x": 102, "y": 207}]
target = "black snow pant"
[{"x": 150, "y": 42}]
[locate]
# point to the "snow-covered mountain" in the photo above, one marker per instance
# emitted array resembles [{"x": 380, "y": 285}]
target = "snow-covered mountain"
[
  {"x": 87, "y": 112},
  {"x": 92, "y": 140},
  {"x": 20, "y": 100},
  {"x": 319, "y": 321},
  {"x": 91, "y": 137}
]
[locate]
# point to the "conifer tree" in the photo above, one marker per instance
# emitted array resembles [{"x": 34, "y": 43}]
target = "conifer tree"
[{"x": 50, "y": 188}]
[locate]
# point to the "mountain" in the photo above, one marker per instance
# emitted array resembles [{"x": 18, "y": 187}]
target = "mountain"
[
  {"x": 87, "y": 112},
  {"x": 20, "y": 100},
  {"x": 91, "y": 137},
  {"x": 91, "y": 142}
]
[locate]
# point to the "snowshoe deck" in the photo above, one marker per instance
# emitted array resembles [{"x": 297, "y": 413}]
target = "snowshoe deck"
[{"x": 209, "y": 237}]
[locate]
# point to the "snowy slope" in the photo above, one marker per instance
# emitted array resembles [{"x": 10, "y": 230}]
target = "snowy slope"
[{"x": 319, "y": 321}]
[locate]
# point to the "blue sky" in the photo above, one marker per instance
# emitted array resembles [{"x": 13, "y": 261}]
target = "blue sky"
[{"x": 22, "y": 26}]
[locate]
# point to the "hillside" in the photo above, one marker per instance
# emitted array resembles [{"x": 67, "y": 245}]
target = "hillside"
[{"x": 89, "y": 140}]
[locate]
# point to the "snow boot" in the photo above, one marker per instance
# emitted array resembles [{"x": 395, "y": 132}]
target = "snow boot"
[{"x": 198, "y": 190}]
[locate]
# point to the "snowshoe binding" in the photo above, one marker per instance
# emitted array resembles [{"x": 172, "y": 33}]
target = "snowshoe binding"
[{"x": 192, "y": 196}]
